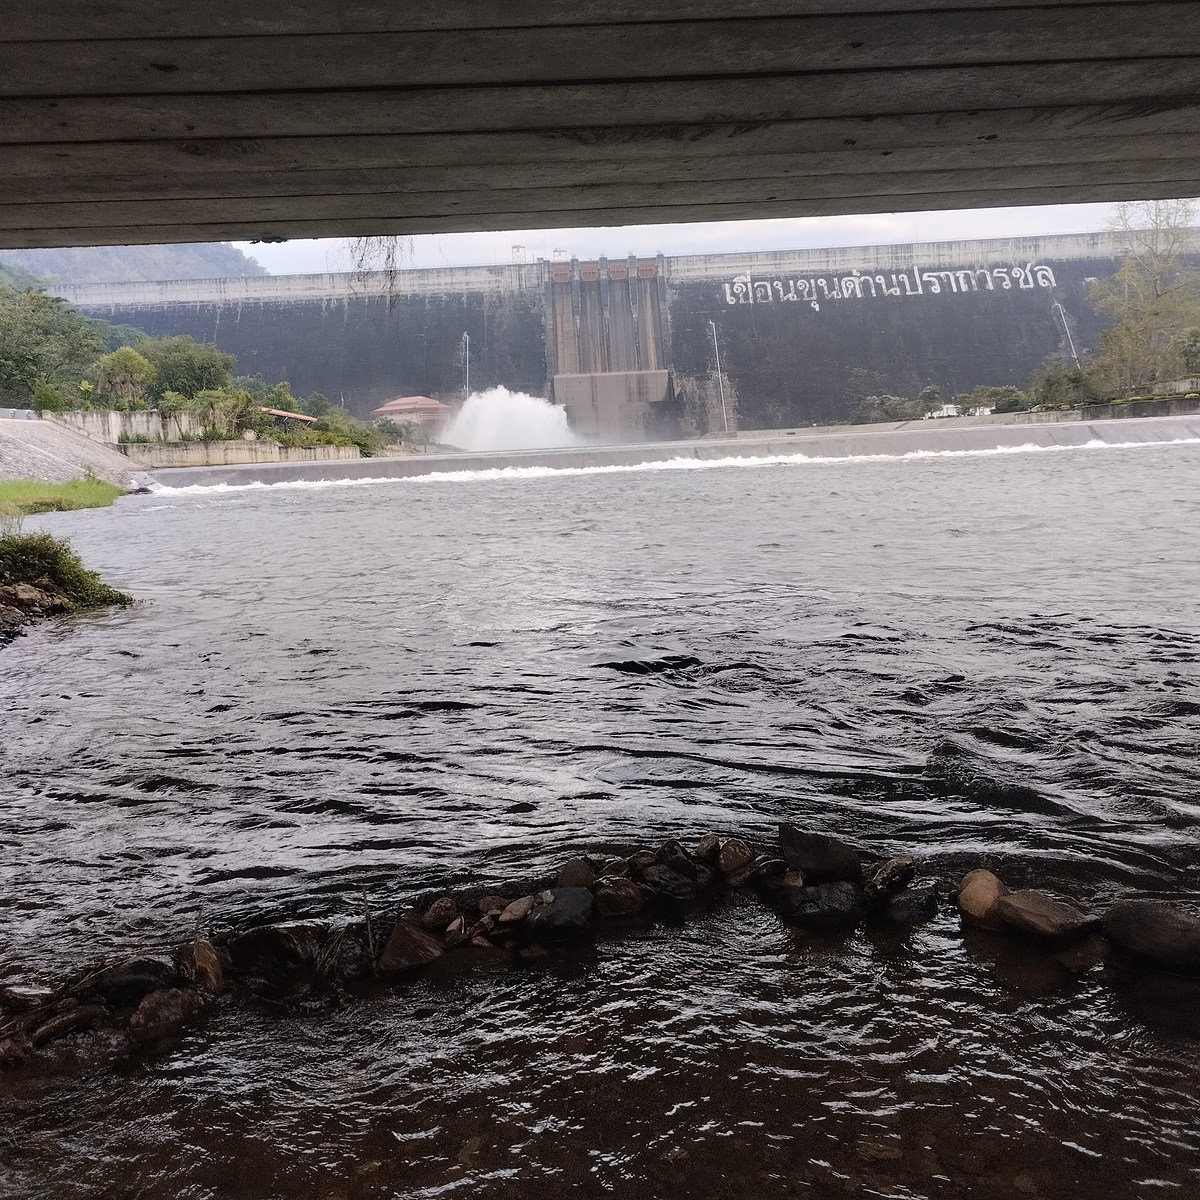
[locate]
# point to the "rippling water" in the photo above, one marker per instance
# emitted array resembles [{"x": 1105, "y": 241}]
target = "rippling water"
[{"x": 984, "y": 659}]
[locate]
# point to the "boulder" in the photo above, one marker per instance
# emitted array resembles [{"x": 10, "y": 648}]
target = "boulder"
[
  {"x": 278, "y": 959},
  {"x": 707, "y": 847},
  {"x": 889, "y": 878},
  {"x": 978, "y": 892},
  {"x": 439, "y": 914},
  {"x": 1160, "y": 933},
  {"x": 642, "y": 859},
  {"x": 617, "y": 897},
  {"x": 733, "y": 856},
  {"x": 568, "y": 913},
  {"x": 824, "y": 905},
  {"x": 821, "y": 859},
  {"x": 665, "y": 882},
  {"x": 165, "y": 1011},
  {"x": 408, "y": 947},
  {"x": 1041, "y": 915},
  {"x": 913, "y": 906},
  {"x": 576, "y": 873},
  {"x": 127, "y": 982}
]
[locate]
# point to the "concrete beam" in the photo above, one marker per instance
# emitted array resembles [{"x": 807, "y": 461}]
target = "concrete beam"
[{"x": 125, "y": 120}]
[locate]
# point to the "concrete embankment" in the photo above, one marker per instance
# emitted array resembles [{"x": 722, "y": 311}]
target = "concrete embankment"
[
  {"x": 32, "y": 449},
  {"x": 842, "y": 442}
]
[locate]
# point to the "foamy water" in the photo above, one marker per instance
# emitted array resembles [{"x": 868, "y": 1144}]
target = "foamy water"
[
  {"x": 498, "y": 420},
  {"x": 670, "y": 464}
]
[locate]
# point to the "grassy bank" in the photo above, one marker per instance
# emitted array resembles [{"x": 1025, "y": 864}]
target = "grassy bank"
[{"x": 23, "y": 497}]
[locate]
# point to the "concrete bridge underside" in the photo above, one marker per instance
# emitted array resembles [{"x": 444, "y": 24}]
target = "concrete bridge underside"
[{"x": 165, "y": 120}]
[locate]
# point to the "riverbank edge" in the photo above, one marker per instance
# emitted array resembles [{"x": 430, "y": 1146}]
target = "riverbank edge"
[{"x": 842, "y": 442}]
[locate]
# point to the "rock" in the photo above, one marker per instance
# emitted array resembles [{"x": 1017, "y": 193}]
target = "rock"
[
  {"x": 518, "y": 910},
  {"x": 567, "y": 914},
  {"x": 456, "y": 931},
  {"x": 707, "y": 848},
  {"x": 20, "y": 998},
  {"x": 978, "y": 892},
  {"x": 663, "y": 881},
  {"x": 1160, "y": 933},
  {"x": 1041, "y": 915},
  {"x": 491, "y": 906},
  {"x": 576, "y": 873},
  {"x": 202, "y": 963},
  {"x": 642, "y": 859},
  {"x": 408, "y": 947},
  {"x": 889, "y": 878},
  {"x": 913, "y": 906},
  {"x": 671, "y": 849},
  {"x": 75, "y": 1019},
  {"x": 128, "y": 982},
  {"x": 824, "y": 905},
  {"x": 733, "y": 856},
  {"x": 617, "y": 897},
  {"x": 165, "y": 1011},
  {"x": 822, "y": 859},
  {"x": 29, "y": 599},
  {"x": 439, "y": 915},
  {"x": 278, "y": 959}
]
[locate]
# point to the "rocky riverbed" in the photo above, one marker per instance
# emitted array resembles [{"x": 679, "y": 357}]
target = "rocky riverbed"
[{"x": 812, "y": 881}]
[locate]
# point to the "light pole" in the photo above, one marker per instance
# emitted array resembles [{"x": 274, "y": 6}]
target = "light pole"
[
  {"x": 720, "y": 379},
  {"x": 466, "y": 364}
]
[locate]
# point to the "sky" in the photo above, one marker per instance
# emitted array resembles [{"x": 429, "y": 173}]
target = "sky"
[{"x": 716, "y": 237}]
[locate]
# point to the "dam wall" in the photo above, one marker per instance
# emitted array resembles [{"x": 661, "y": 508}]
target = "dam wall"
[{"x": 801, "y": 335}]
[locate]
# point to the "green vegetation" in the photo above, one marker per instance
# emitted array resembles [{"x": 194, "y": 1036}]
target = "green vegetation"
[
  {"x": 49, "y": 564},
  {"x": 23, "y": 497},
  {"x": 116, "y": 264}
]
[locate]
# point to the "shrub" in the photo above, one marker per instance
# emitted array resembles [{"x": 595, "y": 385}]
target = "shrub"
[{"x": 46, "y": 562}]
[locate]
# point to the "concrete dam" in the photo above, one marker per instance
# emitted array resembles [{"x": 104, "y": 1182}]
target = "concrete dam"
[{"x": 630, "y": 346}]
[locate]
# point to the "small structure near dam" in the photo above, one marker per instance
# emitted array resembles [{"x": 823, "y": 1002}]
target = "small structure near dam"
[{"x": 631, "y": 346}]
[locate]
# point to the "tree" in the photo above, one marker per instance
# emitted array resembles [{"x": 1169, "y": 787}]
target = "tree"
[
  {"x": 1189, "y": 350},
  {"x": 1152, "y": 299},
  {"x": 930, "y": 399},
  {"x": 996, "y": 399},
  {"x": 122, "y": 375},
  {"x": 1059, "y": 386},
  {"x": 183, "y": 365},
  {"x": 42, "y": 338}
]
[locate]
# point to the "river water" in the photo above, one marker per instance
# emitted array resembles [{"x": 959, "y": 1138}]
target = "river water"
[{"x": 987, "y": 659}]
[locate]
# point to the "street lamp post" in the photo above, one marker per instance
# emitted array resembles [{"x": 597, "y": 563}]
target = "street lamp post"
[
  {"x": 720, "y": 378},
  {"x": 466, "y": 364},
  {"x": 1067, "y": 329}
]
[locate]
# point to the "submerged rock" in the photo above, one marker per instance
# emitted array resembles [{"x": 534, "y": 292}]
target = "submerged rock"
[
  {"x": 278, "y": 959},
  {"x": 1158, "y": 932},
  {"x": 128, "y": 982},
  {"x": 165, "y": 1011},
  {"x": 491, "y": 906},
  {"x": 978, "y": 892},
  {"x": 71, "y": 1018},
  {"x": 707, "y": 847},
  {"x": 823, "y": 905},
  {"x": 1041, "y": 915},
  {"x": 913, "y": 906},
  {"x": 567, "y": 913},
  {"x": 822, "y": 859},
  {"x": 408, "y": 947},
  {"x": 20, "y": 998},
  {"x": 200, "y": 962}
]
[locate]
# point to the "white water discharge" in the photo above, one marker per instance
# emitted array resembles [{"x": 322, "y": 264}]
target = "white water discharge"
[
  {"x": 671, "y": 464},
  {"x": 500, "y": 420}
]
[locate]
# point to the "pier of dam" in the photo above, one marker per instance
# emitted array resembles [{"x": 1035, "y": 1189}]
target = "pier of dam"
[{"x": 630, "y": 345}]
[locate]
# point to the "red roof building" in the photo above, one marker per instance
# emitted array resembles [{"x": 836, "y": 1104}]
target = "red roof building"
[{"x": 422, "y": 411}]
